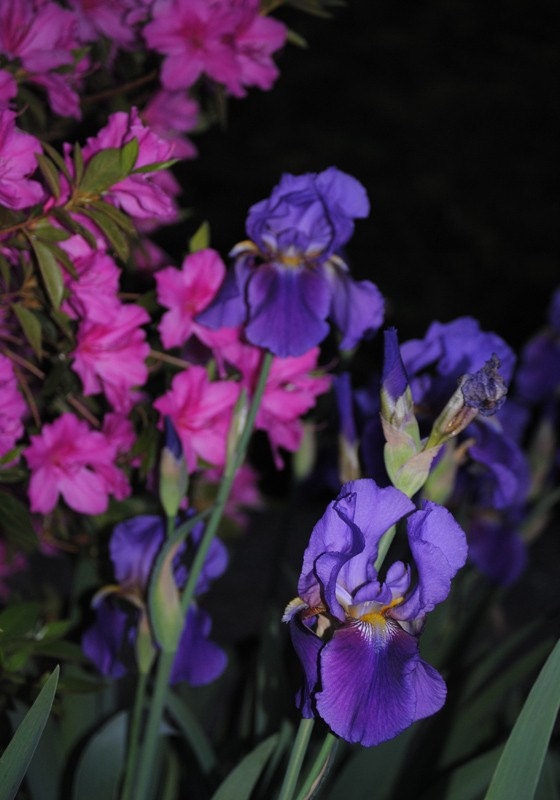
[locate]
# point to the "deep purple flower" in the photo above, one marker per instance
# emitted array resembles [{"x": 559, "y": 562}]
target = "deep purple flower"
[
  {"x": 120, "y": 611},
  {"x": 288, "y": 279},
  {"x": 357, "y": 636},
  {"x": 538, "y": 376}
]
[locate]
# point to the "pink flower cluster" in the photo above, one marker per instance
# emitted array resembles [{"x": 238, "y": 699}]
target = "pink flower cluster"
[{"x": 227, "y": 40}]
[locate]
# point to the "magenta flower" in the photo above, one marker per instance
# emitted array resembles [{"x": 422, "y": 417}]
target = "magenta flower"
[
  {"x": 97, "y": 282},
  {"x": 111, "y": 352},
  {"x": 291, "y": 391},
  {"x": 107, "y": 18},
  {"x": 144, "y": 195},
  {"x": 12, "y": 407},
  {"x": 185, "y": 293},
  {"x": 67, "y": 458},
  {"x": 357, "y": 636},
  {"x": 17, "y": 163},
  {"x": 200, "y": 411},
  {"x": 228, "y": 40},
  {"x": 289, "y": 278},
  {"x": 42, "y": 36},
  {"x": 171, "y": 115}
]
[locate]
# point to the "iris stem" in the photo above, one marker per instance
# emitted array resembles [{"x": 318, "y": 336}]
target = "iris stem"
[
  {"x": 166, "y": 658},
  {"x": 296, "y": 759},
  {"x": 134, "y": 736},
  {"x": 384, "y": 545},
  {"x": 319, "y": 769}
]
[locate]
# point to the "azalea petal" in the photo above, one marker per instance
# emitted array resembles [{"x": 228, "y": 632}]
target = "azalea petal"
[{"x": 368, "y": 693}]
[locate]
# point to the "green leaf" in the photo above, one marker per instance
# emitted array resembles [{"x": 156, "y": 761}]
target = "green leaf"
[
  {"x": 50, "y": 271},
  {"x": 156, "y": 166},
  {"x": 519, "y": 767},
  {"x": 110, "y": 230},
  {"x": 15, "y": 759},
  {"x": 242, "y": 780},
  {"x": 107, "y": 168},
  {"x": 18, "y": 620},
  {"x": 50, "y": 174},
  {"x": 48, "y": 233},
  {"x": 16, "y": 522},
  {"x": 118, "y": 216},
  {"x": 100, "y": 766},
  {"x": 55, "y": 156},
  {"x": 201, "y": 238},
  {"x": 71, "y": 224},
  {"x": 30, "y": 326},
  {"x": 193, "y": 733},
  {"x": 78, "y": 164}
]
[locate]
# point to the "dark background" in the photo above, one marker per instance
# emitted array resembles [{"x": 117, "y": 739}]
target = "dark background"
[{"x": 447, "y": 112}]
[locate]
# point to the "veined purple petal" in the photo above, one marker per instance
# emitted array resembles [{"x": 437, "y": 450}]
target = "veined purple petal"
[
  {"x": 198, "y": 660},
  {"x": 288, "y": 309},
  {"x": 133, "y": 547},
  {"x": 357, "y": 309},
  {"x": 368, "y": 692},
  {"x": 429, "y": 688}
]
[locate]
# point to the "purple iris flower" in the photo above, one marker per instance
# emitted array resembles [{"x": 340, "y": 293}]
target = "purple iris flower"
[
  {"x": 356, "y": 635},
  {"x": 288, "y": 279},
  {"x": 121, "y": 610},
  {"x": 538, "y": 376}
]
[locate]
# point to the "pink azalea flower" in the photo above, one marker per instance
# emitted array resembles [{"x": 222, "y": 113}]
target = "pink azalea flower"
[
  {"x": 110, "y": 354},
  {"x": 224, "y": 39},
  {"x": 171, "y": 115},
  {"x": 291, "y": 391},
  {"x": 185, "y": 293},
  {"x": 146, "y": 195},
  {"x": 12, "y": 407},
  {"x": 104, "y": 18},
  {"x": 17, "y": 162},
  {"x": 200, "y": 411},
  {"x": 97, "y": 283},
  {"x": 41, "y": 36},
  {"x": 67, "y": 458}
]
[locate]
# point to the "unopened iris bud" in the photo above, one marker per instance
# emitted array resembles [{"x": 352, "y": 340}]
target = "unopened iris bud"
[{"x": 173, "y": 475}]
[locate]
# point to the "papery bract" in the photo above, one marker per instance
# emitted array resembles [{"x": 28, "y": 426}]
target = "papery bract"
[
  {"x": 289, "y": 279},
  {"x": 68, "y": 458},
  {"x": 111, "y": 352},
  {"x": 200, "y": 411},
  {"x": 357, "y": 637}
]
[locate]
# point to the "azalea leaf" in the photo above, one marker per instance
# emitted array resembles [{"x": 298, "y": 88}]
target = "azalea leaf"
[
  {"x": 118, "y": 216},
  {"x": 19, "y": 752},
  {"x": 78, "y": 164},
  {"x": 200, "y": 240},
  {"x": 110, "y": 230},
  {"x": 30, "y": 326},
  {"x": 107, "y": 168},
  {"x": 156, "y": 166},
  {"x": 72, "y": 225},
  {"x": 55, "y": 156},
  {"x": 242, "y": 780},
  {"x": 46, "y": 232},
  {"x": 519, "y": 767},
  {"x": 50, "y": 271},
  {"x": 49, "y": 173}
]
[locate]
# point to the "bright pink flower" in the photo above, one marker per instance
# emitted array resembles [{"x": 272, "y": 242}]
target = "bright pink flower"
[
  {"x": 41, "y": 36},
  {"x": 171, "y": 115},
  {"x": 103, "y": 17},
  {"x": 227, "y": 40},
  {"x": 17, "y": 162},
  {"x": 290, "y": 392},
  {"x": 146, "y": 195},
  {"x": 185, "y": 293},
  {"x": 110, "y": 354},
  {"x": 12, "y": 407},
  {"x": 97, "y": 283},
  {"x": 67, "y": 458},
  {"x": 8, "y": 88},
  {"x": 200, "y": 411},
  {"x": 10, "y": 564}
]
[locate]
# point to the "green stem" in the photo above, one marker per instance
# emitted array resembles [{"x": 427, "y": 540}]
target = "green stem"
[
  {"x": 134, "y": 736},
  {"x": 296, "y": 759},
  {"x": 319, "y": 768},
  {"x": 384, "y": 545},
  {"x": 166, "y": 658}
]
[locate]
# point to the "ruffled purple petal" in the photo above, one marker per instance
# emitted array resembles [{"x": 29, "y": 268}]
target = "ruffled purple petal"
[
  {"x": 368, "y": 691},
  {"x": 507, "y": 481},
  {"x": 198, "y": 660},
  {"x": 357, "y": 309},
  {"x": 439, "y": 548},
  {"x": 133, "y": 547},
  {"x": 228, "y": 309},
  {"x": 288, "y": 309}
]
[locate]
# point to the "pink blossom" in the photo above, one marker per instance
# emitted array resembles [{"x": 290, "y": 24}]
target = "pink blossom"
[
  {"x": 146, "y": 195},
  {"x": 111, "y": 352},
  {"x": 200, "y": 411},
  {"x": 10, "y": 564},
  {"x": 171, "y": 115},
  {"x": 227, "y": 40},
  {"x": 41, "y": 36},
  {"x": 12, "y": 407},
  {"x": 290, "y": 392},
  {"x": 67, "y": 458},
  {"x": 97, "y": 283},
  {"x": 185, "y": 293},
  {"x": 104, "y": 18},
  {"x": 8, "y": 88},
  {"x": 17, "y": 162}
]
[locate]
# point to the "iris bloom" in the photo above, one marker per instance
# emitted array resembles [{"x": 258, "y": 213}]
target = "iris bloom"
[
  {"x": 289, "y": 278},
  {"x": 356, "y": 635}
]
